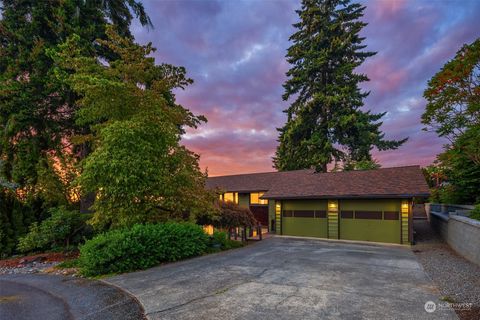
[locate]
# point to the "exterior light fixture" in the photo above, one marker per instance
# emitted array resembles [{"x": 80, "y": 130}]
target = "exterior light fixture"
[
  {"x": 332, "y": 205},
  {"x": 208, "y": 229}
]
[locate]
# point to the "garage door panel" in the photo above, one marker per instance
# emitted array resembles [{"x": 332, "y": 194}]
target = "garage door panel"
[
  {"x": 370, "y": 230},
  {"x": 305, "y": 227}
]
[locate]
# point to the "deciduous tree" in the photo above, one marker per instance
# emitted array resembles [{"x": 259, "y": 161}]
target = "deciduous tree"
[{"x": 137, "y": 169}]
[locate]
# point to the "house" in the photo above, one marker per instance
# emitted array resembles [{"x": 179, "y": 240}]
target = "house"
[{"x": 368, "y": 205}]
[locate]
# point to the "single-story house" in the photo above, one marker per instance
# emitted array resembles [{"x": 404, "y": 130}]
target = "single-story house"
[{"x": 368, "y": 205}]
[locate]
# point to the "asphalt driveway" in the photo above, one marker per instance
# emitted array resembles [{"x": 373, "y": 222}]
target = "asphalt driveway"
[
  {"x": 49, "y": 297},
  {"x": 285, "y": 278}
]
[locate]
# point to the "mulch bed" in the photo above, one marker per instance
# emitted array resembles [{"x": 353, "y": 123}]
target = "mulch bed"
[{"x": 41, "y": 257}]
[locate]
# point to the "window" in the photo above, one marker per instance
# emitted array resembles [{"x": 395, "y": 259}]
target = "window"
[
  {"x": 377, "y": 215},
  {"x": 390, "y": 215},
  {"x": 304, "y": 214},
  {"x": 229, "y": 196},
  {"x": 255, "y": 198}
]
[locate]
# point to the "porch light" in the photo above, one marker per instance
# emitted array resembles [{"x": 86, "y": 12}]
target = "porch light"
[
  {"x": 405, "y": 205},
  {"x": 208, "y": 229},
  {"x": 332, "y": 205}
]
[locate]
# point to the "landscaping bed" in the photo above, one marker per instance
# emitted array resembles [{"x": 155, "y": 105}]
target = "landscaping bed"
[{"x": 38, "y": 263}]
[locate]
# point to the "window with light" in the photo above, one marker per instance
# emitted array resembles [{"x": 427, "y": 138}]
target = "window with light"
[
  {"x": 229, "y": 197},
  {"x": 255, "y": 198}
]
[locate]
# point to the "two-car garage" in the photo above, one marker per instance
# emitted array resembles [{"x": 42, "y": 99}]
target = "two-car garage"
[{"x": 365, "y": 220}]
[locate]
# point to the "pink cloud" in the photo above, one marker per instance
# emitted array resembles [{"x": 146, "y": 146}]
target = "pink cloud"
[{"x": 235, "y": 52}]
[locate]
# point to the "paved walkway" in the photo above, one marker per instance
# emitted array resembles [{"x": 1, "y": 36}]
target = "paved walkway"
[
  {"x": 284, "y": 278},
  {"x": 47, "y": 297}
]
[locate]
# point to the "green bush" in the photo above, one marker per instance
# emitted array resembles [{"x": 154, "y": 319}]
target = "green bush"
[
  {"x": 219, "y": 240},
  {"x": 475, "y": 213},
  {"x": 141, "y": 247},
  {"x": 62, "y": 229}
]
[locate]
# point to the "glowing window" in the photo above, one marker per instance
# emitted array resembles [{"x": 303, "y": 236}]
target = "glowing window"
[
  {"x": 230, "y": 196},
  {"x": 255, "y": 198}
]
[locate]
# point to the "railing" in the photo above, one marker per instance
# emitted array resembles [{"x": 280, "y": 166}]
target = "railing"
[
  {"x": 448, "y": 209},
  {"x": 246, "y": 233}
]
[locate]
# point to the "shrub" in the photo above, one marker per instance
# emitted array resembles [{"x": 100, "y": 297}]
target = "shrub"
[
  {"x": 231, "y": 215},
  {"x": 219, "y": 240},
  {"x": 475, "y": 213},
  {"x": 141, "y": 247},
  {"x": 62, "y": 229}
]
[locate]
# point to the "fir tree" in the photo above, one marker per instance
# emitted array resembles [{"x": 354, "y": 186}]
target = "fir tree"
[{"x": 325, "y": 121}]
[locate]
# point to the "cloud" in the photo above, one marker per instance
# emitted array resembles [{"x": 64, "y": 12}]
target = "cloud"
[{"x": 235, "y": 52}]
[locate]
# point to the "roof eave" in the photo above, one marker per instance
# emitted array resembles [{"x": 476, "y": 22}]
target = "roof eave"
[{"x": 367, "y": 196}]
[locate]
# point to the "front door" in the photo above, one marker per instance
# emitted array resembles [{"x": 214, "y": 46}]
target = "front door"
[{"x": 261, "y": 214}]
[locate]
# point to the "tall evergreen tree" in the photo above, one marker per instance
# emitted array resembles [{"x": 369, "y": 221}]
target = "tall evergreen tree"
[
  {"x": 325, "y": 121},
  {"x": 37, "y": 112}
]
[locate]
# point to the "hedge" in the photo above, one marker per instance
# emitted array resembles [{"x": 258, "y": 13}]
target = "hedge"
[{"x": 141, "y": 247}]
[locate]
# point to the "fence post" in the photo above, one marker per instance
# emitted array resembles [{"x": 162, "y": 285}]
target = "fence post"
[
  {"x": 245, "y": 233},
  {"x": 259, "y": 231}
]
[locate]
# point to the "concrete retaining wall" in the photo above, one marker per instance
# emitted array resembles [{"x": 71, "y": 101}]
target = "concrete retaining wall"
[{"x": 461, "y": 233}]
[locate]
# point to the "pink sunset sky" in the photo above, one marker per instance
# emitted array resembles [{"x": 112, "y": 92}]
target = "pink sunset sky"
[{"x": 235, "y": 52}]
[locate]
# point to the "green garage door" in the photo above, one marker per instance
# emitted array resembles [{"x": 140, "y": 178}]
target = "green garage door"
[
  {"x": 306, "y": 218},
  {"x": 370, "y": 220}
]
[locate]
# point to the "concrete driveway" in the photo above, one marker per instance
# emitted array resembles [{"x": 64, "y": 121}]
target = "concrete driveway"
[
  {"x": 49, "y": 297},
  {"x": 286, "y": 278}
]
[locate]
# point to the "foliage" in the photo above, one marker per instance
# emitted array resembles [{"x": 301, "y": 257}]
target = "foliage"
[
  {"x": 137, "y": 169},
  {"x": 15, "y": 217},
  {"x": 230, "y": 215},
  {"x": 141, "y": 247},
  {"x": 453, "y": 96},
  {"x": 62, "y": 229},
  {"x": 434, "y": 174},
  {"x": 453, "y": 111},
  {"x": 325, "y": 121},
  {"x": 69, "y": 263},
  {"x": 220, "y": 239},
  {"x": 475, "y": 213},
  {"x": 350, "y": 165},
  {"x": 461, "y": 170},
  {"x": 37, "y": 110}
]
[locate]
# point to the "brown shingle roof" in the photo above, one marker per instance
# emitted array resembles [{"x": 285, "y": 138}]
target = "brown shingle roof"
[{"x": 380, "y": 183}]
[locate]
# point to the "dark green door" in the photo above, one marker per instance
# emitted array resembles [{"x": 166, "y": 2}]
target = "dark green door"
[{"x": 305, "y": 223}]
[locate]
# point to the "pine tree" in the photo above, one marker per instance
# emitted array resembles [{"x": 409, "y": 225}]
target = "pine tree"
[{"x": 325, "y": 121}]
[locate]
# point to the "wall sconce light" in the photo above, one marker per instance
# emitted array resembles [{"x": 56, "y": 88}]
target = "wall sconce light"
[
  {"x": 405, "y": 205},
  {"x": 332, "y": 205}
]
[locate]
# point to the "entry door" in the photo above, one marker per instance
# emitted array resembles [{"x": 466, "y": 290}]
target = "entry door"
[{"x": 261, "y": 214}]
